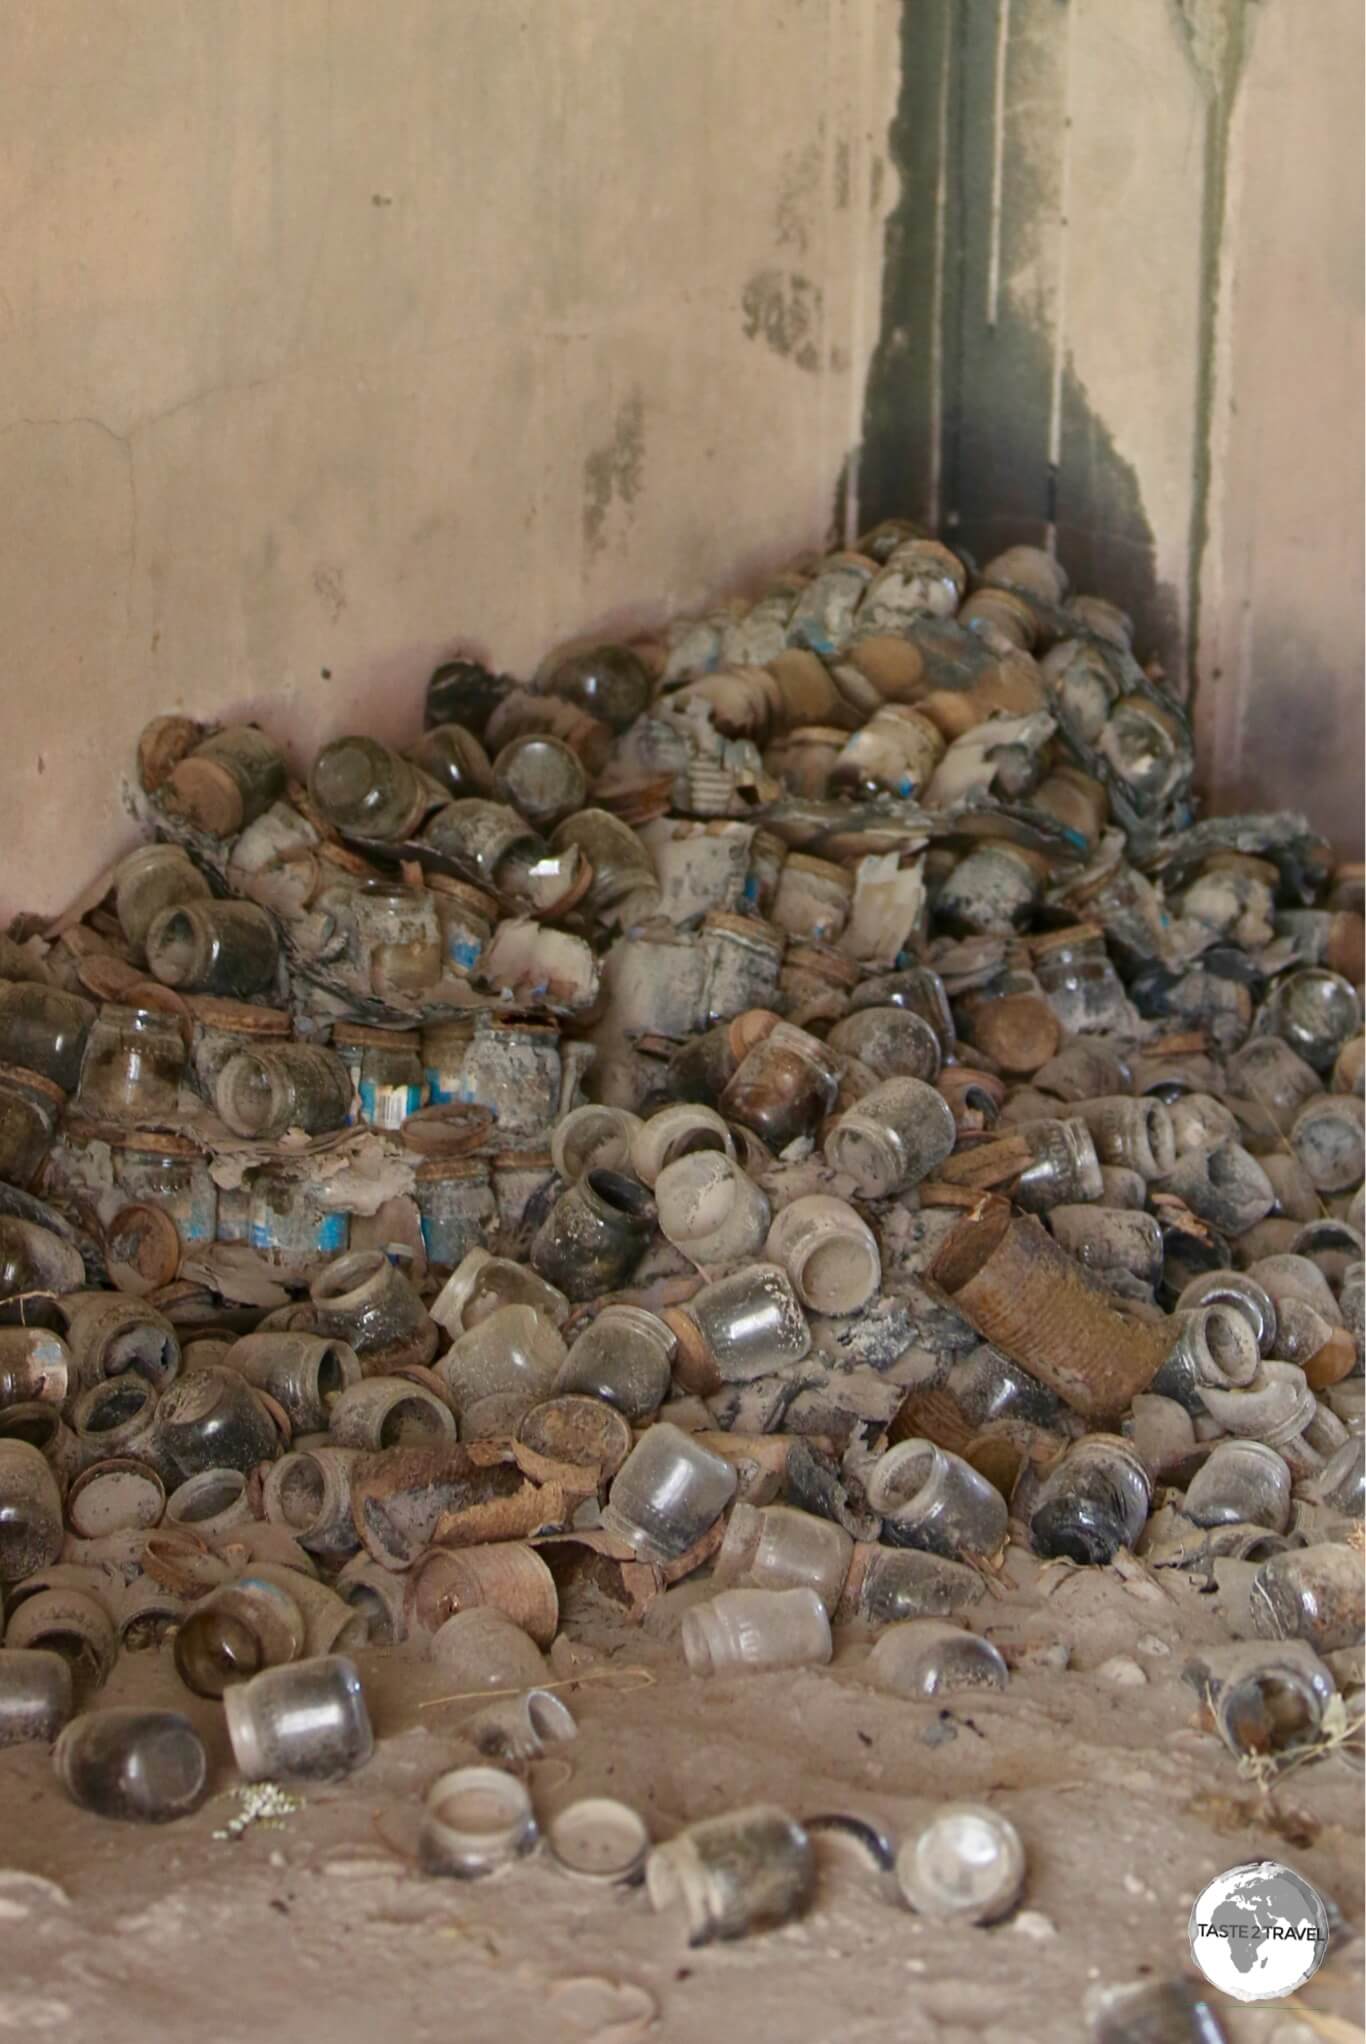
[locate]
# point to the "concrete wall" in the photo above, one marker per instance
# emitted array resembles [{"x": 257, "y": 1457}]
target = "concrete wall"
[
  {"x": 1123, "y": 315},
  {"x": 334, "y": 336}
]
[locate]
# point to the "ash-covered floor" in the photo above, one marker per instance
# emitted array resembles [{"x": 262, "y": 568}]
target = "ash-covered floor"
[{"x": 323, "y": 1928}]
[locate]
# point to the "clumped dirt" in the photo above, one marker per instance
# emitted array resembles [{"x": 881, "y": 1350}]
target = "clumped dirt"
[{"x": 323, "y": 1929}]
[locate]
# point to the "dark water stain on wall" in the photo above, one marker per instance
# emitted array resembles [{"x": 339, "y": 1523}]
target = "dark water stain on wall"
[
  {"x": 614, "y": 472},
  {"x": 961, "y": 385},
  {"x": 786, "y": 311}
]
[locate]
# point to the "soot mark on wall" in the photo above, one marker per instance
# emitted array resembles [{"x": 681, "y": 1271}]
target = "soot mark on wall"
[
  {"x": 786, "y": 311},
  {"x": 961, "y": 385},
  {"x": 614, "y": 472}
]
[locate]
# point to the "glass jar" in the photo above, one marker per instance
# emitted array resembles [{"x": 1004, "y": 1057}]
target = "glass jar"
[
  {"x": 387, "y": 1079},
  {"x": 303, "y": 1722},
  {"x": 595, "y": 1234},
  {"x": 829, "y": 1252},
  {"x": 541, "y": 778},
  {"x": 803, "y": 760},
  {"x": 895, "y": 753},
  {"x": 495, "y": 1372},
  {"x": 228, "y": 781},
  {"x": 467, "y": 917},
  {"x": 823, "y": 615},
  {"x": 29, "y": 1109},
  {"x": 458, "y": 1209},
  {"x": 286, "y": 1225},
  {"x": 453, "y": 757},
  {"x": 744, "y": 957},
  {"x": 512, "y": 1068},
  {"x": 214, "y": 947},
  {"x": 487, "y": 842},
  {"x": 211, "y": 1418},
  {"x": 931, "y": 1498},
  {"x": 1315, "y": 1012},
  {"x": 748, "y": 1870},
  {"x": 524, "y": 1190},
  {"x": 623, "y": 1357},
  {"x": 747, "y": 1325},
  {"x": 30, "y": 1512},
  {"x": 993, "y": 890},
  {"x": 133, "y": 1064},
  {"x": 774, "y": 1547},
  {"x": 711, "y": 1209},
  {"x": 756, "y": 1629},
  {"x": 784, "y": 1088},
  {"x": 1092, "y": 1503},
  {"x": 151, "y": 879},
  {"x": 148, "y": 1765},
  {"x": 895, "y": 1136},
  {"x": 398, "y": 937},
  {"x": 359, "y": 785},
  {"x": 611, "y": 683},
  {"x": 170, "y": 1173},
  {"x": 1079, "y": 983},
  {"x": 813, "y": 899},
  {"x": 967, "y": 1865},
  {"x": 222, "y": 1027},
  {"x": 262, "y": 1093},
  {"x": 669, "y": 1491},
  {"x": 44, "y": 1029},
  {"x": 35, "y": 1695}
]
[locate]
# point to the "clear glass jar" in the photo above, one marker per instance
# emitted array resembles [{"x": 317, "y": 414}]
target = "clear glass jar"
[
  {"x": 966, "y": 1865},
  {"x": 44, "y": 1029},
  {"x": 933, "y": 1499},
  {"x": 30, "y": 1106},
  {"x": 774, "y": 1547},
  {"x": 304, "y": 1722},
  {"x": 223, "y": 1027},
  {"x": 286, "y": 1225},
  {"x": 993, "y": 890},
  {"x": 748, "y": 1870},
  {"x": 385, "y": 1066},
  {"x": 459, "y": 1213},
  {"x": 623, "y": 1357},
  {"x": 262, "y": 1093},
  {"x": 360, "y": 785},
  {"x": 710, "y": 1209},
  {"x": 746, "y": 1325},
  {"x": 453, "y": 757},
  {"x": 669, "y": 1491},
  {"x": 35, "y": 1695},
  {"x": 228, "y": 781},
  {"x": 813, "y": 899},
  {"x": 928, "y": 1657},
  {"x": 595, "y": 1235},
  {"x": 214, "y": 947},
  {"x": 829, "y": 1252},
  {"x": 212, "y": 1419},
  {"x": 467, "y": 918},
  {"x": 1240, "y": 1483},
  {"x": 499, "y": 1369},
  {"x": 170, "y": 1173},
  {"x": 512, "y": 1068},
  {"x": 133, "y": 1064},
  {"x": 148, "y": 1765},
  {"x": 30, "y": 1512},
  {"x": 895, "y": 1136},
  {"x": 1079, "y": 982},
  {"x": 757, "y": 1629},
  {"x": 151, "y": 879},
  {"x": 398, "y": 937}
]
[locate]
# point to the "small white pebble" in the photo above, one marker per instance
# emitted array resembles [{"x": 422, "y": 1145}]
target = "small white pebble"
[
  {"x": 1124, "y": 1672},
  {"x": 1151, "y": 1644},
  {"x": 916, "y": 1965},
  {"x": 1032, "y": 1923}
]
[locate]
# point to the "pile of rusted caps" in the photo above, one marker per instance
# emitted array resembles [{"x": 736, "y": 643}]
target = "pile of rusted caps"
[{"x": 798, "y": 1099}]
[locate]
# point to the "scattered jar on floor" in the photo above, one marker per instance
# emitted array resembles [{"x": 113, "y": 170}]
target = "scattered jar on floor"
[
  {"x": 757, "y": 1629},
  {"x": 146, "y": 1765},
  {"x": 967, "y": 1864},
  {"x": 748, "y": 1870},
  {"x": 304, "y": 1722}
]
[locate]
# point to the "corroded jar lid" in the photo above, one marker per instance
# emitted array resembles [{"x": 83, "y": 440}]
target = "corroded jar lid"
[
  {"x": 358, "y": 1036},
  {"x": 239, "y": 1018}
]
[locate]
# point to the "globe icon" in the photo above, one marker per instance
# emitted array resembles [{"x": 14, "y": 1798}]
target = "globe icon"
[{"x": 1258, "y": 1931}]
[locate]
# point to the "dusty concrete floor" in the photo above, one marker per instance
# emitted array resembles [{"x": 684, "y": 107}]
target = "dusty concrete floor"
[{"x": 322, "y": 1929}]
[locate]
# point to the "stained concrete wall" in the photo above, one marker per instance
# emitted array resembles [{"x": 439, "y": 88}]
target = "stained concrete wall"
[
  {"x": 333, "y": 336},
  {"x": 1122, "y": 315}
]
